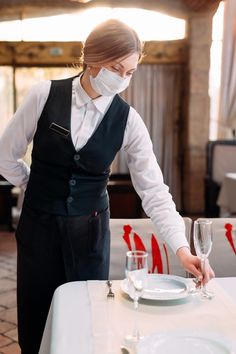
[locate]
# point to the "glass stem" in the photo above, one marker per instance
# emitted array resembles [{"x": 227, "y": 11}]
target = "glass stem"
[
  {"x": 203, "y": 265},
  {"x": 135, "y": 326}
]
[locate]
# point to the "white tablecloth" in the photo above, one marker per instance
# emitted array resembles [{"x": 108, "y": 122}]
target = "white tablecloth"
[
  {"x": 227, "y": 195},
  {"x": 82, "y": 321}
]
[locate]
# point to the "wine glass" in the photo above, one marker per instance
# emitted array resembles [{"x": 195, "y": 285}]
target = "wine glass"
[
  {"x": 136, "y": 271},
  {"x": 202, "y": 237}
]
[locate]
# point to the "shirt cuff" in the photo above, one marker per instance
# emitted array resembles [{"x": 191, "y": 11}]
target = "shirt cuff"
[{"x": 178, "y": 241}]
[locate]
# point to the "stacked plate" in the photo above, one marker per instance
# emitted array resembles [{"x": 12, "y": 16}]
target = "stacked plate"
[{"x": 162, "y": 287}]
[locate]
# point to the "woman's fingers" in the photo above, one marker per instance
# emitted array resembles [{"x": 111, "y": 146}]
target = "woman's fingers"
[
  {"x": 193, "y": 265},
  {"x": 208, "y": 272},
  {"x": 201, "y": 277}
]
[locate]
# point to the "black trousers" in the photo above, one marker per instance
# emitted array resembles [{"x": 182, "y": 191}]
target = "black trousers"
[{"x": 53, "y": 250}]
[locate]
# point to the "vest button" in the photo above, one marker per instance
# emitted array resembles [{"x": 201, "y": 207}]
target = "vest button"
[
  {"x": 69, "y": 199},
  {"x": 72, "y": 182},
  {"x": 76, "y": 157}
]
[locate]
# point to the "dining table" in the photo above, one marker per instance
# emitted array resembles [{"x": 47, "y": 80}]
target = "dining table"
[
  {"x": 227, "y": 195},
  {"x": 83, "y": 320}
]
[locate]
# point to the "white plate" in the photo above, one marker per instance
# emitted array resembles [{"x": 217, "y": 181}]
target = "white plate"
[
  {"x": 185, "y": 343},
  {"x": 162, "y": 287}
]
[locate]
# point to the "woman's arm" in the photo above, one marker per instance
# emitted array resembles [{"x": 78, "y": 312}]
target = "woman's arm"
[
  {"x": 19, "y": 133},
  {"x": 157, "y": 202},
  {"x": 148, "y": 181}
]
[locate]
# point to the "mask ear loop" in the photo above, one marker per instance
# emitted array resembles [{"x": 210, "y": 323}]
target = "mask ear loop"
[{"x": 89, "y": 70}]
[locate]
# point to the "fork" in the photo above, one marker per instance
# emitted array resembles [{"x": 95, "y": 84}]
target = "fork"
[
  {"x": 110, "y": 293},
  {"x": 124, "y": 350}
]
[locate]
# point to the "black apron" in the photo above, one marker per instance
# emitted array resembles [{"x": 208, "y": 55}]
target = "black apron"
[{"x": 53, "y": 250}]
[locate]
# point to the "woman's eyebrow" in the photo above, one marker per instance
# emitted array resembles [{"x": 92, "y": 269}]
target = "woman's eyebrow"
[
  {"x": 123, "y": 66},
  {"x": 119, "y": 63}
]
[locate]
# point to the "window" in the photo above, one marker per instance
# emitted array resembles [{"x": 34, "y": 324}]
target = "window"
[
  {"x": 76, "y": 26},
  {"x": 215, "y": 70},
  {"x": 6, "y": 95}
]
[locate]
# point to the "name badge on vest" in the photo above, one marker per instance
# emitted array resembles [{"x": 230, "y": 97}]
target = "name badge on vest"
[{"x": 60, "y": 130}]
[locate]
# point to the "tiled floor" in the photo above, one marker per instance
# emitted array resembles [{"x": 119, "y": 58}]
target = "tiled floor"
[{"x": 8, "y": 330}]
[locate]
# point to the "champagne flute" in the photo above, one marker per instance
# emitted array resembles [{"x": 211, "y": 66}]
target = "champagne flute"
[
  {"x": 202, "y": 237},
  {"x": 136, "y": 273}
]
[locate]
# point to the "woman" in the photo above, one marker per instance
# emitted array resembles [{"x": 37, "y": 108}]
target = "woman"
[{"x": 77, "y": 126}]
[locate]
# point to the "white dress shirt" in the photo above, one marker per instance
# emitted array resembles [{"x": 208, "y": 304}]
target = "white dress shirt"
[{"x": 86, "y": 115}]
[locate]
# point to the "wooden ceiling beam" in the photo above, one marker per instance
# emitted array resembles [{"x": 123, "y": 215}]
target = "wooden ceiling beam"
[{"x": 67, "y": 53}]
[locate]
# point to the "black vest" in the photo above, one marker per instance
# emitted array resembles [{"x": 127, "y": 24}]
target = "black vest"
[{"x": 64, "y": 181}]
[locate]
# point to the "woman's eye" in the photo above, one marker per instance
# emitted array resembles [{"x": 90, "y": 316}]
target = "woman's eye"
[{"x": 115, "y": 69}]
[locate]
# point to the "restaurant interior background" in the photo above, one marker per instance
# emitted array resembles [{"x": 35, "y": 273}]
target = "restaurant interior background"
[
  {"x": 183, "y": 96},
  {"x": 176, "y": 89}
]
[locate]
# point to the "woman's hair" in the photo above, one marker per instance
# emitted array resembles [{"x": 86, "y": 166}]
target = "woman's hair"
[{"x": 108, "y": 41}]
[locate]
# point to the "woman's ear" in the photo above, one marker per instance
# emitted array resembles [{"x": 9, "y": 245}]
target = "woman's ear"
[{"x": 93, "y": 70}]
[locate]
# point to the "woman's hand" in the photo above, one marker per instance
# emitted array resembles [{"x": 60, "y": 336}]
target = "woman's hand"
[{"x": 193, "y": 265}]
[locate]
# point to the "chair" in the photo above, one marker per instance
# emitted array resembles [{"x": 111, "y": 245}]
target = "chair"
[
  {"x": 141, "y": 234},
  {"x": 223, "y": 254},
  {"x": 220, "y": 160},
  {"x": 6, "y": 203},
  {"x": 124, "y": 201}
]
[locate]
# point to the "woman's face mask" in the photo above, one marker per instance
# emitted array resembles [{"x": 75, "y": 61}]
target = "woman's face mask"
[
  {"x": 108, "y": 83},
  {"x": 114, "y": 77}
]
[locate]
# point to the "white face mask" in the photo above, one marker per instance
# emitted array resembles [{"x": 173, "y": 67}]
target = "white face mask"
[{"x": 108, "y": 83}]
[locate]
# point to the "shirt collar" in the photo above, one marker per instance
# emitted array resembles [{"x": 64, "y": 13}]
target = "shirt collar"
[
  {"x": 82, "y": 98},
  {"x": 102, "y": 103}
]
